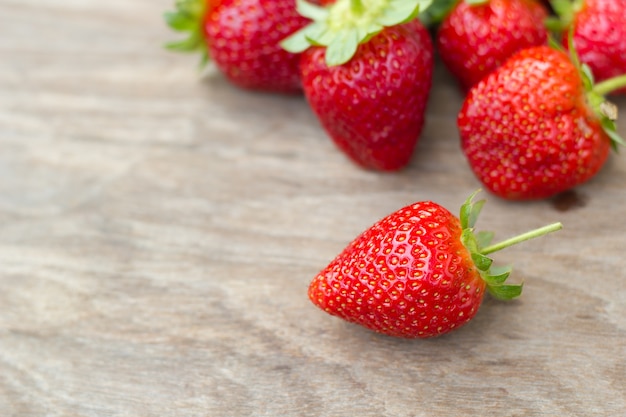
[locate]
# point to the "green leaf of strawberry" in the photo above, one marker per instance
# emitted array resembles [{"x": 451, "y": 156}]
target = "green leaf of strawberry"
[
  {"x": 478, "y": 247},
  {"x": 343, "y": 46},
  {"x": 505, "y": 292},
  {"x": 605, "y": 110},
  {"x": 342, "y": 26},
  {"x": 187, "y": 18},
  {"x": 476, "y": 2},
  {"x": 484, "y": 238},
  {"x": 398, "y": 12},
  {"x": 498, "y": 275},
  {"x": 436, "y": 12},
  {"x": 311, "y": 11}
]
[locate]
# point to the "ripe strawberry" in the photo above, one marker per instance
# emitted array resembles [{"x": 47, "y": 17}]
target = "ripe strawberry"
[
  {"x": 419, "y": 272},
  {"x": 242, "y": 38},
  {"x": 599, "y": 34},
  {"x": 477, "y": 37},
  {"x": 537, "y": 126},
  {"x": 367, "y": 77}
]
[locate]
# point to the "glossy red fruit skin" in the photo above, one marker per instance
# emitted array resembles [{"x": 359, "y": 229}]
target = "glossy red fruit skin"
[
  {"x": 373, "y": 106},
  {"x": 600, "y": 38},
  {"x": 473, "y": 40},
  {"x": 527, "y": 130},
  {"x": 407, "y": 276},
  {"x": 243, "y": 39}
]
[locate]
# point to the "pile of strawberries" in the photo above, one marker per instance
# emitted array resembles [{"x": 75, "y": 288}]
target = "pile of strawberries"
[{"x": 534, "y": 122}]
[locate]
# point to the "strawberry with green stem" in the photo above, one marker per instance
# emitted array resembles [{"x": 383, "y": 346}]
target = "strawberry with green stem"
[
  {"x": 477, "y": 36},
  {"x": 242, "y": 38},
  {"x": 366, "y": 70},
  {"x": 419, "y": 272},
  {"x": 599, "y": 33},
  {"x": 538, "y": 126}
]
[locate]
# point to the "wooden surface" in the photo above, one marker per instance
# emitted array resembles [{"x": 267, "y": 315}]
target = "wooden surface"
[{"x": 158, "y": 232}]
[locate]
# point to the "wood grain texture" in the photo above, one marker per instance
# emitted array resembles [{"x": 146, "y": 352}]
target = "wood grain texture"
[{"x": 158, "y": 231}]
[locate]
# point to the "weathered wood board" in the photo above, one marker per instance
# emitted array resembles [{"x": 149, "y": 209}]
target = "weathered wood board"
[{"x": 158, "y": 231}]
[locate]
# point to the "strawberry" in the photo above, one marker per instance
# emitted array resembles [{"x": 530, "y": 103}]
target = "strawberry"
[
  {"x": 599, "y": 34},
  {"x": 476, "y": 37},
  {"x": 419, "y": 272},
  {"x": 242, "y": 38},
  {"x": 537, "y": 125},
  {"x": 366, "y": 71}
]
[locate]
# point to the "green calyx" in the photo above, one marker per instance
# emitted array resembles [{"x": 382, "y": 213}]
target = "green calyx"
[
  {"x": 604, "y": 109},
  {"x": 476, "y": 2},
  {"x": 479, "y": 245},
  {"x": 438, "y": 10},
  {"x": 342, "y": 26},
  {"x": 564, "y": 13},
  {"x": 188, "y": 18}
]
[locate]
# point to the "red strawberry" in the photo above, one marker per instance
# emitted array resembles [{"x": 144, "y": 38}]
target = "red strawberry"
[
  {"x": 475, "y": 38},
  {"x": 419, "y": 272},
  {"x": 599, "y": 34},
  {"x": 536, "y": 126},
  {"x": 242, "y": 38},
  {"x": 368, "y": 84}
]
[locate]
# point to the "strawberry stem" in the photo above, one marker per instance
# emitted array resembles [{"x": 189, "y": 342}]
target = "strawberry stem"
[
  {"x": 520, "y": 238},
  {"x": 607, "y": 86}
]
